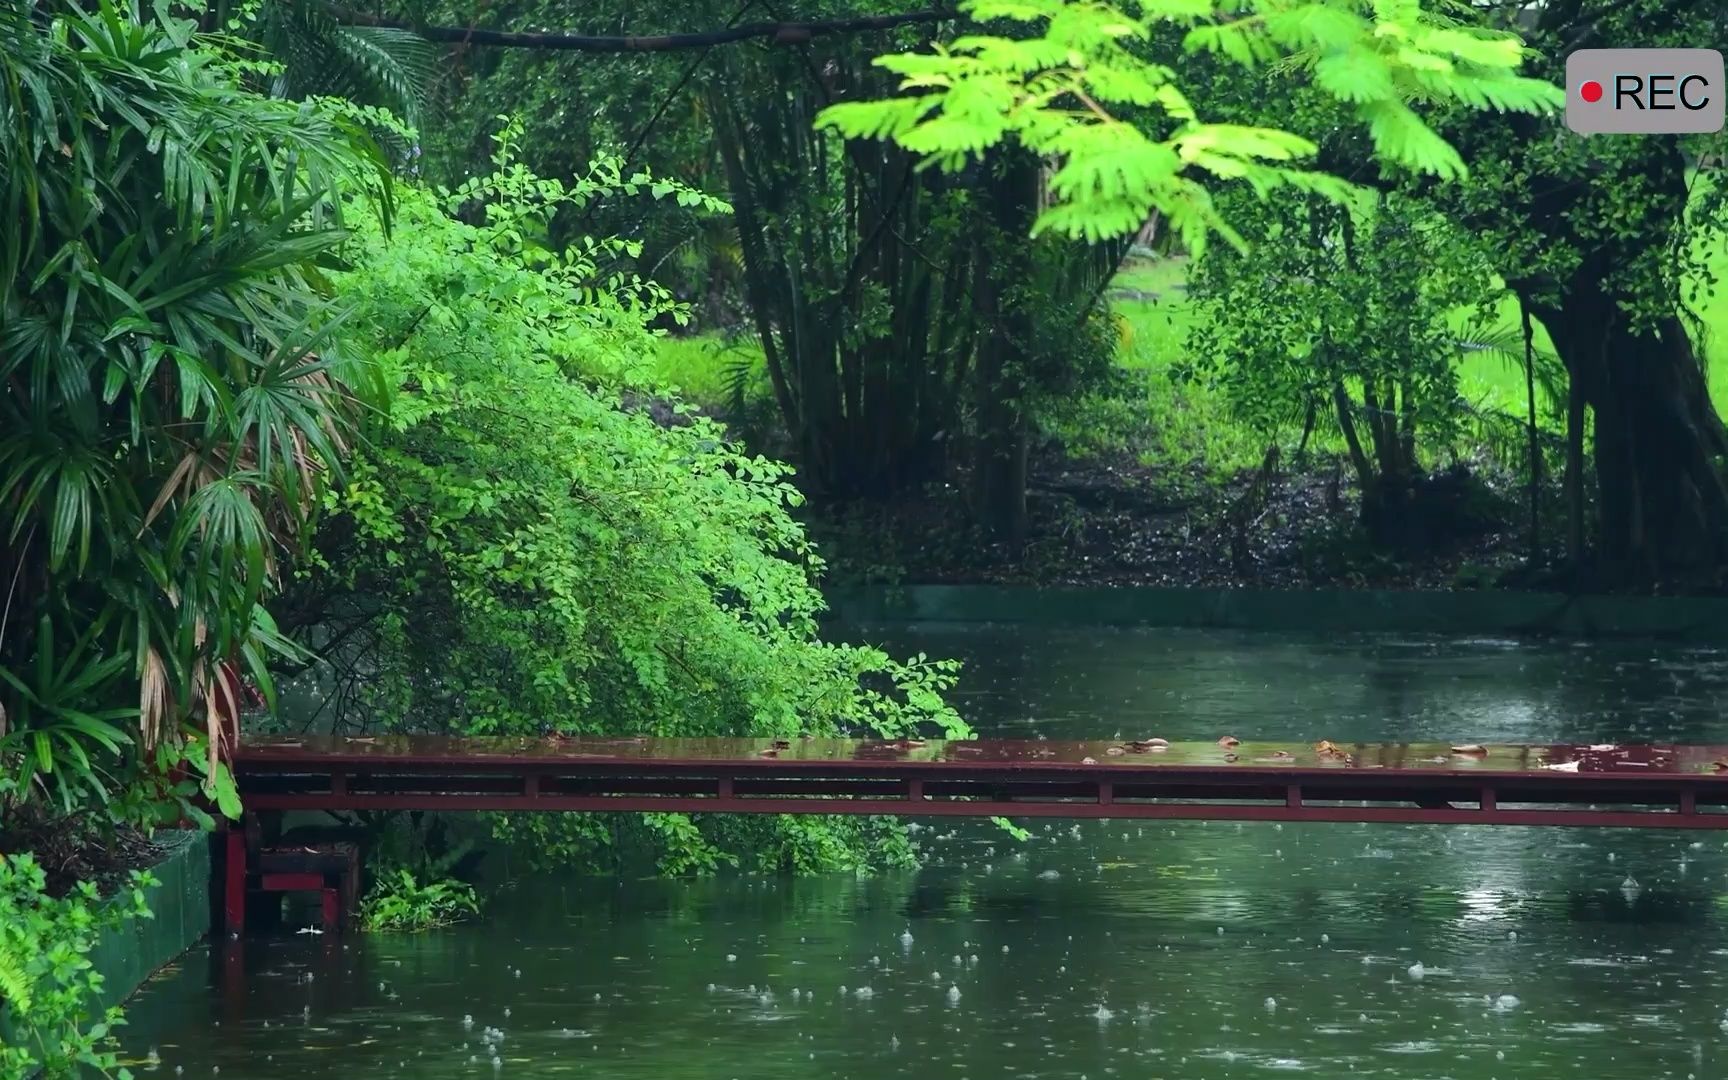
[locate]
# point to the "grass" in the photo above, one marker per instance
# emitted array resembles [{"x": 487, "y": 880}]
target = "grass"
[{"x": 704, "y": 368}]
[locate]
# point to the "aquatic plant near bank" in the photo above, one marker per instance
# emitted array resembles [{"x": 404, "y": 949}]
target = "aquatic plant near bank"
[
  {"x": 49, "y": 1023},
  {"x": 400, "y": 901}
]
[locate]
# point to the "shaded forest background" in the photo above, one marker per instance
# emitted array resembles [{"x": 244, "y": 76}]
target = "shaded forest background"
[{"x": 1505, "y": 381}]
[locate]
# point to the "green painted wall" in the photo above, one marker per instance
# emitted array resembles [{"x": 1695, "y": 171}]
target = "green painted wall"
[
  {"x": 1677, "y": 618},
  {"x": 128, "y": 955},
  {"x": 131, "y": 953}
]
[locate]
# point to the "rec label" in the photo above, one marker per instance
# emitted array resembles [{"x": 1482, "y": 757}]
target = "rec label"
[{"x": 1644, "y": 91}]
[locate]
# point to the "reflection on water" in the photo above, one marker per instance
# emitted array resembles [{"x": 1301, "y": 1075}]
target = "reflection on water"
[
  {"x": 1066, "y": 682},
  {"x": 1097, "y": 949}
]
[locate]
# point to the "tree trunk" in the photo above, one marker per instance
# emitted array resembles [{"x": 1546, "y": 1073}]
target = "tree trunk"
[
  {"x": 1535, "y": 443},
  {"x": 1662, "y": 507},
  {"x": 1004, "y": 434},
  {"x": 1575, "y": 478},
  {"x": 1308, "y": 418},
  {"x": 1352, "y": 441}
]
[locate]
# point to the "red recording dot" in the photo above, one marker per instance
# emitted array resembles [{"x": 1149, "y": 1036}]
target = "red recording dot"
[{"x": 1591, "y": 91}]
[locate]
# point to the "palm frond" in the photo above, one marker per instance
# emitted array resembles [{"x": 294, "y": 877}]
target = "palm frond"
[
  {"x": 372, "y": 65},
  {"x": 1505, "y": 343},
  {"x": 175, "y": 401}
]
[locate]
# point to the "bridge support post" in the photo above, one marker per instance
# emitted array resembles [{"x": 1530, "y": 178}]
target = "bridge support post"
[{"x": 234, "y": 880}]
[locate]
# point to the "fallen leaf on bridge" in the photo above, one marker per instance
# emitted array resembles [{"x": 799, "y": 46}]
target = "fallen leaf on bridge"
[
  {"x": 1471, "y": 749},
  {"x": 1565, "y": 766},
  {"x": 1143, "y": 745},
  {"x": 1115, "y": 751},
  {"x": 1229, "y": 741}
]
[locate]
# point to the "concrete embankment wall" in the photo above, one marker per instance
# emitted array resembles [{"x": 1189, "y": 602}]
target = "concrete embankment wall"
[{"x": 1703, "y": 620}]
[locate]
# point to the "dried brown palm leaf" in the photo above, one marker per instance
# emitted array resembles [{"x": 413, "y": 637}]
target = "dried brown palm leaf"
[
  {"x": 180, "y": 477},
  {"x": 212, "y": 732},
  {"x": 154, "y": 701}
]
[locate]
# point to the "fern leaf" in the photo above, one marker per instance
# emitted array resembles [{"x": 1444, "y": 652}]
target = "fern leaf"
[
  {"x": 15, "y": 981},
  {"x": 1402, "y": 137}
]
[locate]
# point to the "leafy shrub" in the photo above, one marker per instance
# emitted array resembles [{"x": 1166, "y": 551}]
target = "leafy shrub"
[
  {"x": 400, "y": 901},
  {"x": 529, "y": 543},
  {"x": 47, "y": 984}
]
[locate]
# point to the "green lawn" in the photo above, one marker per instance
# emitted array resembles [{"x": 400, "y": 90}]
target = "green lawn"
[{"x": 704, "y": 367}]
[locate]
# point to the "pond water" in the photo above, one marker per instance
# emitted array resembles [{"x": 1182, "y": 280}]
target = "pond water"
[{"x": 1097, "y": 949}]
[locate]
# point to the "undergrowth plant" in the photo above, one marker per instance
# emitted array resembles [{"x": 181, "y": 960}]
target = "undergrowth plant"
[{"x": 48, "y": 988}]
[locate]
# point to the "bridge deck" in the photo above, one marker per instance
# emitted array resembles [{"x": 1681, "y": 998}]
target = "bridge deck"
[{"x": 1653, "y": 786}]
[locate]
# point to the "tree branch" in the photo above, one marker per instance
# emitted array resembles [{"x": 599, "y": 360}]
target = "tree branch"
[{"x": 778, "y": 33}]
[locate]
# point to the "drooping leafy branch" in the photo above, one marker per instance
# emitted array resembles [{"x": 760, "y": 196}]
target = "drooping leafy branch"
[
  {"x": 536, "y": 541},
  {"x": 1091, "y": 92}
]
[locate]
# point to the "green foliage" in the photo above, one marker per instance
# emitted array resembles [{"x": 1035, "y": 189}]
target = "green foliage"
[
  {"x": 1336, "y": 300},
  {"x": 714, "y": 370},
  {"x": 314, "y": 55},
  {"x": 1086, "y": 92},
  {"x": 400, "y": 901},
  {"x": 1607, "y": 241},
  {"x": 177, "y": 394},
  {"x": 534, "y": 541},
  {"x": 47, "y": 984}
]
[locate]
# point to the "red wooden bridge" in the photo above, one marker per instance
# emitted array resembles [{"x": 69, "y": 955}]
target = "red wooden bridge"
[
  {"x": 1652, "y": 786},
  {"x": 1646, "y": 786}
]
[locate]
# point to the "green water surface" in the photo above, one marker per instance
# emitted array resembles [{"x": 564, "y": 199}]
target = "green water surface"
[{"x": 1097, "y": 949}]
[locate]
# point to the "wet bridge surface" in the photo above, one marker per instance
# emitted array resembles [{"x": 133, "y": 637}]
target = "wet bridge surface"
[{"x": 1654, "y": 786}]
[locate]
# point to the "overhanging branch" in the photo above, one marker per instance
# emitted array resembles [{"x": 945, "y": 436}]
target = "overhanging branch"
[{"x": 777, "y": 33}]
